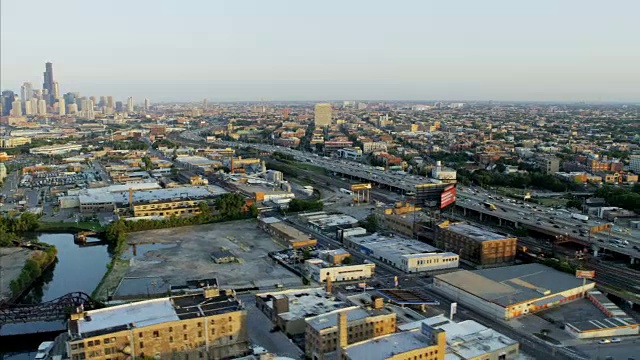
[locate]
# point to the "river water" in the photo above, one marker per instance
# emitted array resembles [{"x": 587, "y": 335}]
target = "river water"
[{"x": 77, "y": 269}]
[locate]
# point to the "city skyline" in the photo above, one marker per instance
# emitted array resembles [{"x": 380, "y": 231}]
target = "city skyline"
[{"x": 233, "y": 52}]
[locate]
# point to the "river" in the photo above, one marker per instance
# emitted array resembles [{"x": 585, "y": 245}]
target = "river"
[{"x": 76, "y": 269}]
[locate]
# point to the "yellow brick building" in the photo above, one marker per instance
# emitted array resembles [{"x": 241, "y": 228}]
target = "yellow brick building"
[
  {"x": 321, "y": 336},
  {"x": 167, "y": 208},
  {"x": 211, "y": 325}
]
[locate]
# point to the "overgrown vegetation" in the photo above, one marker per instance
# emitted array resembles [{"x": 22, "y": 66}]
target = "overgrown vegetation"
[
  {"x": 11, "y": 228},
  {"x": 297, "y": 205},
  {"x": 625, "y": 198},
  {"x": 532, "y": 179},
  {"x": 33, "y": 268},
  {"x": 227, "y": 207},
  {"x": 370, "y": 223}
]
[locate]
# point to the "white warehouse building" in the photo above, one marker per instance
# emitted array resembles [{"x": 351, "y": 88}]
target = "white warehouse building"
[
  {"x": 319, "y": 270},
  {"x": 408, "y": 255}
]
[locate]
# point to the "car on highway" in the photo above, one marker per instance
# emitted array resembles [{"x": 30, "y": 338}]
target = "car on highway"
[
  {"x": 615, "y": 340},
  {"x": 604, "y": 341}
]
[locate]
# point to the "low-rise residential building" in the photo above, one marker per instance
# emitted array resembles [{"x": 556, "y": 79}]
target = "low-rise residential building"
[
  {"x": 321, "y": 336},
  {"x": 319, "y": 270},
  {"x": 408, "y": 255},
  {"x": 475, "y": 244},
  {"x": 209, "y": 325}
]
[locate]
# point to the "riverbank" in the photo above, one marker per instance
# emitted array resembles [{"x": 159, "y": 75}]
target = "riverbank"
[
  {"x": 33, "y": 266},
  {"x": 117, "y": 269},
  {"x": 12, "y": 261},
  {"x": 52, "y": 227}
]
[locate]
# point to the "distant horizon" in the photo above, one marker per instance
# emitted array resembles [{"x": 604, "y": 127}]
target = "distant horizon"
[{"x": 498, "y": 50}]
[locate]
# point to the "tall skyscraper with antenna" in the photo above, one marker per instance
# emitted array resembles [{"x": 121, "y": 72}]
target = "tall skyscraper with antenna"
[{"x": 48, "y": 83}]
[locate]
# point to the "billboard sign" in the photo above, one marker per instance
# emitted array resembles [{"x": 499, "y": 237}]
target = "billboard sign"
[
  {"x": 448, "y": 196},
  {"x": 599, "y": 228},
  {"x": 358, "y": 187},
  {"x": 585, "y": 274}
]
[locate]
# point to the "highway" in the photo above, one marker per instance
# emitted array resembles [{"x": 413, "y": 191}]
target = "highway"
[{"x": 552, "y": 220}]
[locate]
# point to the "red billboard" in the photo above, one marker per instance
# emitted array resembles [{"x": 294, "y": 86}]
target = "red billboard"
[{"x": 448, "y": 196}]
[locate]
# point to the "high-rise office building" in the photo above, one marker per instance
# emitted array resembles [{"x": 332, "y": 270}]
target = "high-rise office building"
[
  {"x": 28, "y": 110},
  {"x": 26, "y": 91},
  {"x": 102, "y": 102},
  {"x": 147, "y": 104},
  {"x": 93, "y": 99},
  {"x": 205, "y": 105},
  {"x": 37, "y": 93},
  {"x": 47, "y": 86},
  {"x": 110, "y": 102},
  {"x": 16, "y": 108},
  {"x": 69, "y": 98},
  {"x": 72, "y": 109},
  {"x": 34, "y": 106},
  {"x": 42, "y": 107},
  {"x": 56, "y": 90},
  {"x": 322, "y": 115},
  {"x": 119, "y": 106},
  {"x": 62, "y": 108},
  {"x": 130, "y": 104},
  {"x": 7, "y": 99}
]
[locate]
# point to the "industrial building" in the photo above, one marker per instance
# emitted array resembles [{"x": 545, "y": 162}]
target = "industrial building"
[
  {"x": 55, "y": 149},
  {"x": 290, "y": 236},
  {"x": 319, "y": 270},
  {"x": 289, "y": 309},
  {"x": 324, "y": 222},
  {"x": 469, "y": 339},
  {"x": 426, "y": 343},
  {"x": 511, "y": 291},
  {"x": 475, "y": 244},
  {"x": 211, "y": 324},
  {"x": 616, "y": 323},
  {"x": 408, "y": 255},
  {"x": 321, "y": 336}
]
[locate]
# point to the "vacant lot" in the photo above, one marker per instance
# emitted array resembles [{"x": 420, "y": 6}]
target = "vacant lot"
[{"x": 190, "y": 258}]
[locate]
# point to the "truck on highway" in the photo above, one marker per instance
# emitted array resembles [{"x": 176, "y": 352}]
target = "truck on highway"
[
  {"x": 580, "y": 216},
  {"x": 346, "y": 191},
  {"x": 490, "y": 206}
]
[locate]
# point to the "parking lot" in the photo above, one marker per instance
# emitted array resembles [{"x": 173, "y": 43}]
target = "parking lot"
[{"x": 191, "y": 257}]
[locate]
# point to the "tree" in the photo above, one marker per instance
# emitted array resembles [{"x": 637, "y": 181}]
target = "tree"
[
  {"x": 204, "y": 208},
  {"x": 574, "y": 203},
  {"x": 370, "y": 223},
  {"x": 148, "y": 164},
  {"x": 230, "y": 205}
]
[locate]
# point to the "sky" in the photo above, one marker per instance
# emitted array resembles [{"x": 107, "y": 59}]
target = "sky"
[{"x": 544, "y": 50}]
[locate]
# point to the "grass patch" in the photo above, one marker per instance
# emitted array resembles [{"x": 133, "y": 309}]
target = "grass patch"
[{"x": 70, "y": 226}]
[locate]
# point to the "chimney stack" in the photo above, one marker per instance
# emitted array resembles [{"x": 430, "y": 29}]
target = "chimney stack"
[
  {"x": 342, "y": 333},
  {"x": 329, "y": 285}
]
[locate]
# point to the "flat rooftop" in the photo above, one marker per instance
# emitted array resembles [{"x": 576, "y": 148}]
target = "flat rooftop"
[
  {"x": 290, "y": 231},
  {"x": 304, "y": 303},
  {"x": 512, "y": 284},
  {"x": 326, "y": 321},
  {"x": 476, "y": 233},
  {"x": 407, "y": 297},
  {"x": 466, "y": 339},
  {"x": 383, "y": 347},
  {"x": 397, "y": 247},
  {"x": 151, "y": 312}
]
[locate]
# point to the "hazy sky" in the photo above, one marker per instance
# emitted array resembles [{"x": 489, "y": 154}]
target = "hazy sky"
[{"x": 313, "y": 50}]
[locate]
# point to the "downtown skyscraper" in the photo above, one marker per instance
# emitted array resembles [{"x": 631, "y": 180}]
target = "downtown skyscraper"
[{"x": 48, "y": 86}]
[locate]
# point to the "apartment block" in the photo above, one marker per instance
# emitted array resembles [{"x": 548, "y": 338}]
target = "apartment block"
[
  {"x": 475, "y": 244},
  {"x": 210, "y": 325},
  {"x": 321, "y": 336}
]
